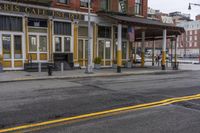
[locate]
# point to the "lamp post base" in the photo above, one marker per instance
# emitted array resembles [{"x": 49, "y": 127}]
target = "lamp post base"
[{"x": 119, "y": 70}]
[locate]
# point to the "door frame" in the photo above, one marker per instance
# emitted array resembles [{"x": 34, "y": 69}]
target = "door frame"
[
  {"x": 84, "y": 60},
  {"x": 111, "y": 51},
  {"x": 12, "y": 59},
  {"x": 38, "y": 45}
]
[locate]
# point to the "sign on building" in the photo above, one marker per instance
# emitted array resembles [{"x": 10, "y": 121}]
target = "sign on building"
[{"x": 167, "y": 20}]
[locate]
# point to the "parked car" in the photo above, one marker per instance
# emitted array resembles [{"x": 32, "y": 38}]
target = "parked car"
[{"x": 138, "y": 58}]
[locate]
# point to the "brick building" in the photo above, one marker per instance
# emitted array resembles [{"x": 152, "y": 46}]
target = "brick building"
[
  {"x": 33, "y": 32},
  {"x": 189, "y": 42}
]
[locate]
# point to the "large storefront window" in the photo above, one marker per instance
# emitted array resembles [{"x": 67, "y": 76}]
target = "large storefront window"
[
  {"x": 10, "y": 23},
  {"x": 62, "y": 32},
  {"x": 18, "y": 46},
  {"x": 124, "y": 33},
  {"x": 6, "y": 41}
]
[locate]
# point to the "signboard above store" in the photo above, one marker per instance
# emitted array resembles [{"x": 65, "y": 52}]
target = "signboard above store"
[{"x": 39, "y": 12}]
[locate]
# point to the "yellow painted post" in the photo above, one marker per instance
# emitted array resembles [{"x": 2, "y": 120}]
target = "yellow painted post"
[
  {"x": 135, "y": 53},
  {"x": 119, "y": 49},
  {"x": 164, "y": 49},
  {"x": 50, "y": 29},
  {"x": 143, "y": 50},
  {"x": 75, "y": 43},
  {"x": 26, "y": 38},
  {"x": 153, "y": 53}
]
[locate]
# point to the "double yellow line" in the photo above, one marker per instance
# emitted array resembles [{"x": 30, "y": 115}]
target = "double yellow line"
[{"x": 103, "y": 113}]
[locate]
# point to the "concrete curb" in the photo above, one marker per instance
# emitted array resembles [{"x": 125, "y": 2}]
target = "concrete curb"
[{"x": 94, "y": 75}]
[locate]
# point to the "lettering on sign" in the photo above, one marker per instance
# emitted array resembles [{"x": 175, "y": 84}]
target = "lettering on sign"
[
  {"x": 167, "y": 20},
  {"x": 40, "y": 12}
]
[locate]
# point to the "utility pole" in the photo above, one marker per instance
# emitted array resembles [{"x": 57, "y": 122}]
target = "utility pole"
[{"x": 89, "y": 68}]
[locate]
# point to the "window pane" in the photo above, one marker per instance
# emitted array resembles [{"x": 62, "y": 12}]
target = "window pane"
[
  {"x": 67, "y": 44},
  {"x": 43, "y": 44},
  {"x": 33, "y": 43},
  {"x": 58, "y": 44},
  {"x": 18, "y": 47},
  {"x": 64, "y": 1},
  {"x": 101, "y": 49},
  {"x": 124, "y": 50},
  {"x": 83, "y": 31},
  {"x": 62, "y": 28},
  {"x": 108, "y": 50},
  {"x": 86, "y": 49},
  {"x": 80, "y": 49},
  {"x": 6, "y": 46},
  {"x": 104, "y": 5},
  {"x": 10, "y": 23}
]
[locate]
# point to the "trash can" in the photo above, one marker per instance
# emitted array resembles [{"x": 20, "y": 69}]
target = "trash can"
[{"x": 50, "y": 69}]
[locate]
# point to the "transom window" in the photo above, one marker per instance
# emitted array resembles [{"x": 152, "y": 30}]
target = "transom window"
[
  {"x": 138, "y": 7},
  {"x": 104, "y": 32},
  {"x": 64, "y": 1}
]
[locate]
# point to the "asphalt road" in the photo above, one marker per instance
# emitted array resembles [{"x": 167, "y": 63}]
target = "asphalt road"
[{"x": 37, "y": 101}]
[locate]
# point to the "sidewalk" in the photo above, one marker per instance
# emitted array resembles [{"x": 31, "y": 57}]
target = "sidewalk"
[{"x": 13, "y": 76}]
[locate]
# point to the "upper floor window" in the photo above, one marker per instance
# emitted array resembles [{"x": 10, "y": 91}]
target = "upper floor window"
[
  {"x": 64, "y": 1},
  {"x": 104, "y": 5},
  {"x": 84, "y": 3},
  {"x": 138, "y": 7}
]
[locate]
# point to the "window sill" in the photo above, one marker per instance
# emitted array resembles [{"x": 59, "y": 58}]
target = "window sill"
[{"x": 85, "y": 8}]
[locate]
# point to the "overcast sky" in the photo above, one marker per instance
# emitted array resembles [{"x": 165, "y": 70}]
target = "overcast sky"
[{"x": 167, "y": 6}]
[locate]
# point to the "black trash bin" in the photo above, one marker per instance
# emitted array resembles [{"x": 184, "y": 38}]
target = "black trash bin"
[{"x": 50, "y": 69}]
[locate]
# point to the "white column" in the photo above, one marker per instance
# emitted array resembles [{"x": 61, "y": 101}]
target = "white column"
[
  {"x": 119, "y": 48},
  {"x": 164, "y": 49},
  {"x": 89, "y": 68}
]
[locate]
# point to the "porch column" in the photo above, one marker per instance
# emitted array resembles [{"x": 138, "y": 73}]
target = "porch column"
[
  {"x": 135, "y": 52},
  {"x": 164, "y": 49},
  {"x": 153, "y": 53},
  {"x": 50, "y": 31},
  {"x": 143, "y": 49},
  {"x": 119, "y": 48},
  {"x": 175, "y": 51}
]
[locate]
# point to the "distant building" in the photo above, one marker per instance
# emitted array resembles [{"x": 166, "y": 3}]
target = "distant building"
[
  {"x": 179, "y": 17},
  {"x": 189, "y": 42}
]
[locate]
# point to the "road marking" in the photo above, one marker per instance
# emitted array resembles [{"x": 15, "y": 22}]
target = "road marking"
[{"x": 102, "y": 113}]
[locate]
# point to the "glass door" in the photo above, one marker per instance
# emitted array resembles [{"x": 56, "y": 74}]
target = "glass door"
[
  {"x": 104, "y": 52},
  {"x": 38, "y": 48},
  {"x": 83, "y": 52},
  {"x": 12, "y": 51}
]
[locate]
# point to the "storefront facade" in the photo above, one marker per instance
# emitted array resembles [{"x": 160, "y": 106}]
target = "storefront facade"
[{"x": 31, "y": 33}]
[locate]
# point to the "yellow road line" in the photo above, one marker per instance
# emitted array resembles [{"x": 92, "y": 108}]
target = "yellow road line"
[{"x": 135, "y": 107}]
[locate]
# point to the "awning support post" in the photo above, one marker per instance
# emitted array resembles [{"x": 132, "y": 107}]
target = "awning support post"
[
  {"x": 153, "y": 53},
  {"x": 164, "y": 49},
  {"x": 143, "y": 49},
  {"x": 119, "y": 49}
]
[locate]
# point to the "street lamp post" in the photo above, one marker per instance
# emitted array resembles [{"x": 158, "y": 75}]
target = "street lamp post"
[
  {"x": 89, "y": 68},
  {"x": 189, "y": 8}
]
